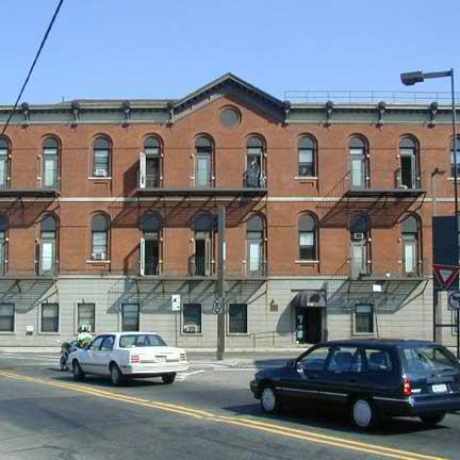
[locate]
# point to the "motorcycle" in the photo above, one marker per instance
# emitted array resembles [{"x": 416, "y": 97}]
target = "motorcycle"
[{"x": 66, "y": 349}]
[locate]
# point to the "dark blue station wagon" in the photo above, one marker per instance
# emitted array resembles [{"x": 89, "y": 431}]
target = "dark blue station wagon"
[{"x": 370, "y": 378}]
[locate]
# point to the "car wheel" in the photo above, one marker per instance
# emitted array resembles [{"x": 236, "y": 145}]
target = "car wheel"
[
  {"x": 364, "y": 414},
  {"x": 115, "y": 375},
  {"x": 168, "y": 378},
  {"x": 433, "y": 419},
  {"x": 78, "y": 374},
  {"x": 269, "y": 400}
]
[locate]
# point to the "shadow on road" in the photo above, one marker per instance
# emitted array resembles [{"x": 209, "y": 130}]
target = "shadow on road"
[
  {"x": 332, "y": 420},
  {"x": 102, "y": 382}
]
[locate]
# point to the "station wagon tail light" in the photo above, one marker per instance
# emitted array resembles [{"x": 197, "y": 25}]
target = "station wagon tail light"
[
  {"x": 407, "y": 387},
  {"x": 135, "y": 359}
]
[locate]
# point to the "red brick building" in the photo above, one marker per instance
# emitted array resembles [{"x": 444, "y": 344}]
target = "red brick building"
[{"x": 108, "y": 208}]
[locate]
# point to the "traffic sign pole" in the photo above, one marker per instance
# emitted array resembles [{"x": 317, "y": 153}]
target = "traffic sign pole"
[{"x": 220, "y": 283}]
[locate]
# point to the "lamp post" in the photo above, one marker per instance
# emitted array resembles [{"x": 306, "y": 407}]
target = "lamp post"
[{"x": 409, "y": 79}]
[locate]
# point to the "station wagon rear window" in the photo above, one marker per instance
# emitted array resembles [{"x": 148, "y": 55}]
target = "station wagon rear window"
[
  {"x": 141, "y": 340},
  {"x": 423, "y": 360}
]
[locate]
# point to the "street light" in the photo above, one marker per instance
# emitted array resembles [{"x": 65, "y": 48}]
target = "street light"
[{"x": 409, "y": 79}]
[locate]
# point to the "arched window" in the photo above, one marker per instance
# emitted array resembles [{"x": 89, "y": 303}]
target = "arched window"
[
  {"x": 100, "y": 226},
  {"x": 359, "y": 162},
  {"x": 151, "y": 244},
  {"x": 204, "y": 161},
  {"x": 360, "y": 249},
  {"x": 3, "y": 243},
  {"x": 48, "y": 246},
  {"x": 50, "y": 162},
  {"x": 4, "y": 163},
  {"x": 308, "y": 237},
  {"x": 255, "y": 243},
  {"x": 204, "y": 226},
  {"x": 151, "y": 163},
  {"x": 452, "y": 159},
  {"x": 307, "y": 156},
  {"x": 409, "y": 175},
  {"x": 410, "y": 237},
  {"x": 102, "y": 153},
  {"x": 255, "y": 176}
]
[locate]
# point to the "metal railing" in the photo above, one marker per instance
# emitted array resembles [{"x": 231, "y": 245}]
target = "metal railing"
[{"x": 367, "y": 96}]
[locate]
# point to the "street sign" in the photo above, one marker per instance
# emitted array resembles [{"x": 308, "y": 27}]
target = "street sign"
[
  {"x": 218, "y": 306},
  {"x": 445, "y": 274},
  {"x": 175, "y": 302},
  {"x": 454, "y": 300}
]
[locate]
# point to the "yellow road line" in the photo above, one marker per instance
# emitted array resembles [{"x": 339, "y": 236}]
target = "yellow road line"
[{"x": 313, "y": 437}]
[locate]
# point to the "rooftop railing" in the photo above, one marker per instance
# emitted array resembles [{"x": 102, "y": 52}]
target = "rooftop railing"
[{"x": 368, "y": 97}]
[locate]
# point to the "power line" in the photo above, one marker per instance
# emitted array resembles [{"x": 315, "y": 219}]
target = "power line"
[{"x": 29, "y": 74}]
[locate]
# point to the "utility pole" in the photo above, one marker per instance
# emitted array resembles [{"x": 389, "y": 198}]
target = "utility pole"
[{"x": 220, "y": 284}]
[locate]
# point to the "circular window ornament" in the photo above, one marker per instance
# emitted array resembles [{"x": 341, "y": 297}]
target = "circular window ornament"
[{"x": 230, "y": 117}]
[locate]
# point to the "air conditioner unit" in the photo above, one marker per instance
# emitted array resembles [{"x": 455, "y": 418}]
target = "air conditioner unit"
[
  {"x": 100, "y": 172},
  {"x": 358, "y": 236}
]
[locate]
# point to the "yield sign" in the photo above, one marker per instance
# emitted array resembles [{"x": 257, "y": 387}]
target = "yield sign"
[{"x": 445, "y": 274}]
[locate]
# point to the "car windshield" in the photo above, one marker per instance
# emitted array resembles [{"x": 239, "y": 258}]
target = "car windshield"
[
  {"x": 428, "y": 360},
  {"x": 141, "y": 340}
]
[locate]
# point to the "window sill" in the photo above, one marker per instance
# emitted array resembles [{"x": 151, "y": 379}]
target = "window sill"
[
  {"x": 306, "y": 178},
  {"x": 307, "y": 262},
  {"x": 49, "y": 333},
  {"x": 452, "y": 179},
  {"x": 94, "y": 261},
  {"x": 363, "y": 334},
  {"x": 99, "y": 178},
  {"x": 237, "y": 334},
  {"x": 7, "y": 333},
  {"x": 191, "y": 334}
]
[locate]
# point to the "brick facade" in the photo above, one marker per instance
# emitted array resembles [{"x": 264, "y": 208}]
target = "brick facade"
[{"x": 79, "y": 279}]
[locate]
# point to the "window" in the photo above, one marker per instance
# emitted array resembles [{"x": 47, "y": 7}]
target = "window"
[
  {"x": 359, "y": 162},
  {"x": 7, "y": 317},
  {"x": 47, "y": 246},
  {"x": 360, "y": 250},
  {"x": 410, "y": 245},
  {"x": 204, "y": 151},
  {"x": 378, "y": 360},
  {"x": 96, "y": 343},
  {"x": 307, "y": 157},
  {"x": 130, "y": 317},
  {"x": 50, "y": 163},
  {"x": 307, "y": 237},
  {"x": 345, "y": 359},
  {"x": 4, "y": 163},
  {"x": 107, "y": 344},
  {"x": 364, "y": 319},
  {"x": 99, "y": 230},
  {"x": 150, "y": 174},
  {"x": 238, "y": 318},
  {"x": 315, "y": 360},
  {"x": 230, "y": 117},
  {"x": 3, "y": 243},
  {"x": 191, "y": 318},
  {"x": 255, "y": 236},
  {"x": 102, "y": 152},
  {"x": 141, "y": 340},
  {"x": 204, "y": 226},
  {"x": 452, "y": 159},
  {"x": 50, "y": 317},
  {"x": 87, "y": 316},
  {"x": 150, "y": 246},
  {"x": 408, "y": 176},
  {"x": 255, "y": 176}
]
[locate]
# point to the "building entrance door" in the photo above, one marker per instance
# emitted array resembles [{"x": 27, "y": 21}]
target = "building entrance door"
[{"x": 308, "y": 324}]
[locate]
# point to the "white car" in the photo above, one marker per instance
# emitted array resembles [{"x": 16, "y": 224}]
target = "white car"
[{"x": 122, "y": 355}]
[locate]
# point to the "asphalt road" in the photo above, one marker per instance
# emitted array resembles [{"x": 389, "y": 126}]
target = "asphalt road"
[{"x": 208, "y": 413}]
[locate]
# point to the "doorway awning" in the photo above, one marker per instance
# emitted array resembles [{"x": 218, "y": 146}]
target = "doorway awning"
[{"x": 309, "y": 298}]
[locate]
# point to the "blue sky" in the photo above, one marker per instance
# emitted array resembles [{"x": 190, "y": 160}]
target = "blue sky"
[{"x": 159, "y": 49}]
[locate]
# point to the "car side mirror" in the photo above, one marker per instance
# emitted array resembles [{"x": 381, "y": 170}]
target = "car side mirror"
[{"x": 291, "y": 363}]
